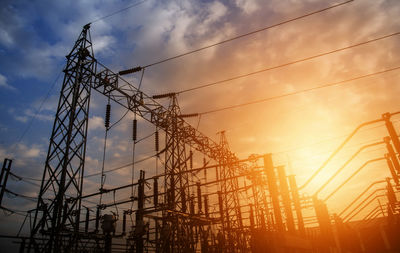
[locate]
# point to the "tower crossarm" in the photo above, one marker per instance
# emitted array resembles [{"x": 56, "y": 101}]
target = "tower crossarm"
[{"x": 122, "y": 92}]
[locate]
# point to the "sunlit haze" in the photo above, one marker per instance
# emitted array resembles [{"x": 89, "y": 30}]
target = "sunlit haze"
[{"x": 309, "y": 94}]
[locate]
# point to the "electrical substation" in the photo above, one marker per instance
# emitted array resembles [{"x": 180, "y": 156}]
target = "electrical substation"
[{"x": 198, "y": 196}]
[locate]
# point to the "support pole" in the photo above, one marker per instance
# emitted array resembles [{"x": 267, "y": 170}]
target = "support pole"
[
  {"x": 391, "y": 195},
  {"x": 206, "y": 206},
  {"x": 287, "y": 203},
  {"x": 297, "y": 206},
  {"x": 140, "y": 227},
  {"x": 251, "y": 217},
  {"x": 324, "y": 221},
  {"x": 65, "y": 161},
  {"x": 392, "y": 154},
  {"x": 273, "y": 189},
  {"x": 199, "y": 201},
  {"x": 5, "y": 171},
  {"x": 97, "y": 219},
  {"x": 391, "y": 168},
  {"x": 221, "y": 209},
  {"x": 87, "y": 220},
  {"x": 155, "y": 192},
  {"x": 391, "y": 131}
]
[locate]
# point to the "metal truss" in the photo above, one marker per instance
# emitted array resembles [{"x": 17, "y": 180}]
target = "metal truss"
[
  {"x": 57, "y": 218},
  {"x": 230, "y": 212},
  {"x": 58, "y": 207}
]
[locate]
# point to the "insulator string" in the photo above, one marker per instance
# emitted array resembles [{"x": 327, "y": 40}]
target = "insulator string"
[
  {"x": 156, "y": 140},
  {"x": 107, "y": 125},
  {"x": 134, "y": 137}
]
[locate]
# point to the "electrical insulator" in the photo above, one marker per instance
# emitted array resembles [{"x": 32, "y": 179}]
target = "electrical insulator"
[
  {"x": 221, "y": 207},
  {"x": 205, "y": 205},
  {"x": 130, "y": 71},
  {"x": 87, "y": 220},
  {"x": 155, "y": 189},
  {"x": 199, "y": 203},
  {"x": 251, "y": 217},
  {"x": 108, "y": 115},
  {"x": 191, "y": 159},
  {"x": 183, "y": 196},
  {"x": 124, "y": 224},
  {"x": 97, "y": 219},
  {"x": 134, "y": 130},
  {"x": 191, "y": 203},
  {"x": 263, "y": 224},
  {"x": 156, "y": 140},
  {"x": 191, "y": 115},
  {"x": 141, "y": 98},
  {"x": 171, "y": 94},
  {"x": 239, "y": 214},
  {"x": 108, "y": 223},
  {"x": 205, "y": 170}
]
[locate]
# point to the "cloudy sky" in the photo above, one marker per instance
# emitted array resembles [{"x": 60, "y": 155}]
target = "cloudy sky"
[{"x": 300, "y": 130}]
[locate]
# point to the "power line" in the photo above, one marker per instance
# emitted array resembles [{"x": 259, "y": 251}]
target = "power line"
[
  {"x": 343, "y": 155},
  {"x": 31, "y": 183},
  {"x": 338, "y": 137},
  {"x": 236, "y": 106},
  {"x": 314, "y": 156},
  {"x": 249, "y": 33},
  {"x": 301, "y": 108},
  {"x": 122, "y": 117},
  {"x": 118, "y": 11},
  {"x": 37, "y": 112},
  {"x": 124, "y": 166},
  {"x": 26, "y": 179},
  {"x": 11, "y": 211},
  {"x": 300, "y": 91},
  {"x": 90, "y": 175},
  {"x": 21, "y": 195},
  {"x": 33, "y": 179},
  {"x": 145, "y": 137},
  {"x": 288, "y": 64}
]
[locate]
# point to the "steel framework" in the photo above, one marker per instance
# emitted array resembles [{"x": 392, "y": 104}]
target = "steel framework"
[
  {"x": 177, "y": 217},
  {"x": 59, "y": 205},
  {"x": 57, "y": 217}
]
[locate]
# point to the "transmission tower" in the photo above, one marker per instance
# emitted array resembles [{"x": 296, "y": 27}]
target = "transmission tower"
[
  {"x": 57, "y": 215},
  {"x": 56, "y": 225},
  {"x": 231, "y": 212}
]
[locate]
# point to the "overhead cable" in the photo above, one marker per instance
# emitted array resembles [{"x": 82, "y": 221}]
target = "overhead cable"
[
  {"x": 126, "y": 165},
  {"x": 34, "y": 116},
  {"x": 118, "y": 11},
  {"x": 249, "y": 33},
  {"x": 300, "y": 91},
  {"x": 289, "y": 63}
]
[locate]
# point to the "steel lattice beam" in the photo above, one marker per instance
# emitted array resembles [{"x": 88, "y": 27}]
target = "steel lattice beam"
[
  {"x": 59, "y": 197},
  {"x": 59, "y": 208}
]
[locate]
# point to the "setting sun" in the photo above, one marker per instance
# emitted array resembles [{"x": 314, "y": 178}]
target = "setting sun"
[{"x": 200, "y": 126}]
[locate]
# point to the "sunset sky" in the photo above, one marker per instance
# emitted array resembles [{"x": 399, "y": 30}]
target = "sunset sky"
[{"x": 299, "y": 130}]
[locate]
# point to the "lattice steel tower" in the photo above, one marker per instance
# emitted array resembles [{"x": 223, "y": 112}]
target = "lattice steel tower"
[
  {"x": 58, "y": 214},
  {"x": 58, "y": 210}
]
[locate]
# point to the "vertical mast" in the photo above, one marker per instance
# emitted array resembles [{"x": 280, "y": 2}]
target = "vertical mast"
[{"x": 57, "y": 215}]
